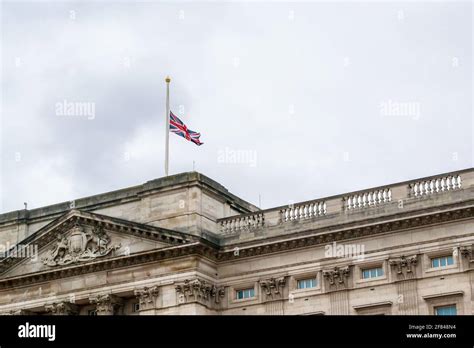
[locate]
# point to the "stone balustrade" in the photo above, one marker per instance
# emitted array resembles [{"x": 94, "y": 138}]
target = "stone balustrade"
[
  {"x": 242, "y": 222},
  {"x": 435, "y": 185},
  {"x": 303, "y": 211},
  {"x": 352, "y": 202},
  {"x": 368, "y": 199}
]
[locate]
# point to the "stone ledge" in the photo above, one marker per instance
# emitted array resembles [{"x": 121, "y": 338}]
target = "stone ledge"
[{"x": 124, "y": 195}]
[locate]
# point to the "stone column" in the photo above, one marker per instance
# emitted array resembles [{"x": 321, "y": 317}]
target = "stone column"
[
  {"x": 339, "y": 302},
  {"x": 61, "y": 308},
  {"x": 403, "y": 272},
  {"x": 199, "y": 291},
  {"x": 273, "y": 288},
  {"x": 337, "y": 278},
  {"x": 106, "y": 304},
  {"x": 147, "y": 299}
]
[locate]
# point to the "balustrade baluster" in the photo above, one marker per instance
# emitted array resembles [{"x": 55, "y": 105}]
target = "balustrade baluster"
[
  {"x": 448, "y": 183},
  {"x": 453, "y": 182}
]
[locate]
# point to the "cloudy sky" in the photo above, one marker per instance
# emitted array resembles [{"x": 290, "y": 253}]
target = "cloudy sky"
[{"x": 294, "y": 101}]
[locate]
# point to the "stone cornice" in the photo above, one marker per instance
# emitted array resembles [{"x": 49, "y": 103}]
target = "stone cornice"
[
  {"x": 309, "y": 229},
  {"x": 207, "y": 250},
  {"x": 446, "y": 294},
  {"x": 48, "y": 233},
  {"x": 128, "y": 194},
  {"x": 349, "y": 231},
  {"x": 201, "y": 248},
  {"x": 371, "y": 305}
]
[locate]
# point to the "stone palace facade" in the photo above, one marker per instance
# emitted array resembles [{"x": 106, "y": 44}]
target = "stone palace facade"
[{"x": 184, "y": 244}]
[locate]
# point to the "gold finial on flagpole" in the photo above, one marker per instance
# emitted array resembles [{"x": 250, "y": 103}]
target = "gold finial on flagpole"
[{"x": 168, "y": 80}]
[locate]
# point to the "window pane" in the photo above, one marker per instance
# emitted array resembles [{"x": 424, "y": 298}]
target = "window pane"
[
  {"x": 245, "y": 293},
  {"x": 306, "y": 283},
  {"x": 446, "y": 310},
  {"x": 372, "y": 273},
  {"x": 442, "y": 261}
]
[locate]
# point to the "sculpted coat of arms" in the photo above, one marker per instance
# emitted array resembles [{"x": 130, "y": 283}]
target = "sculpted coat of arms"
[{"x": 79, "y": 246}]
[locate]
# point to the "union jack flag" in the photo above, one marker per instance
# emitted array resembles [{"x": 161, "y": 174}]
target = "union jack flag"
[{"x": 178, "y": 127}]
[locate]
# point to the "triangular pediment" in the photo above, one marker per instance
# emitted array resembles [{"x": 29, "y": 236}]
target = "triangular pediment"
[{"x": 78, "y": 238}]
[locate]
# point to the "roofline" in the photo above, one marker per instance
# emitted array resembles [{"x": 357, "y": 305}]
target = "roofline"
[
  {"x": 352, "y": 193},
  {"x": 126, "y": 194}
]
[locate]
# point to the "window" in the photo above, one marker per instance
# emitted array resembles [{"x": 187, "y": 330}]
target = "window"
[
  {"x": 245, "y": 293},
  {"x": 446, "y": 310},
  {"x": 306, "y": 283},
  {"x": 91, "y": 312},
  {"x": 443, "y": 261},
  {"x": 372, "y": 273},
  {"x": 135, "y": 307}
]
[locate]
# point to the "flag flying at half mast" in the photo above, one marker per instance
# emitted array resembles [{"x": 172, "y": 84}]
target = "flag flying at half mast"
[{"x": 178, "y": 127}]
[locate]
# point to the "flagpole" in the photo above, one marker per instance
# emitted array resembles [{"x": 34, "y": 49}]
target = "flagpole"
[{"x": 167, "y": 131}]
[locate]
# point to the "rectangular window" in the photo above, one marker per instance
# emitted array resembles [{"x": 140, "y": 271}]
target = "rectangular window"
[
  {"x": 442, "y": 261},
  {"x": 372, "y": 273},
  {"x": 446, "y": 310},
  {"x": 245, "y": 293},
  {"x": 306, "y": 283}
]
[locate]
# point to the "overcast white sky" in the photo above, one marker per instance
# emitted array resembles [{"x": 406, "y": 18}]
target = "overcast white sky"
[{"x": 305, "y": 93}]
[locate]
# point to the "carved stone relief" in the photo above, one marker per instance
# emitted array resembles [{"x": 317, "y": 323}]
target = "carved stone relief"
[
  {"x": 61, "y": 308},
  {"x": 79, "y": 246},
  {"x": 404, "y": 265},
  {"x": 272, "y": 288},
  {"x": 466, "y": 252},
  {"x": 107, "y": 304},
  {"x": 198, "y": 290},
  {"x": 336, "y": 277},
  {"x": 147, "y": 297}
]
